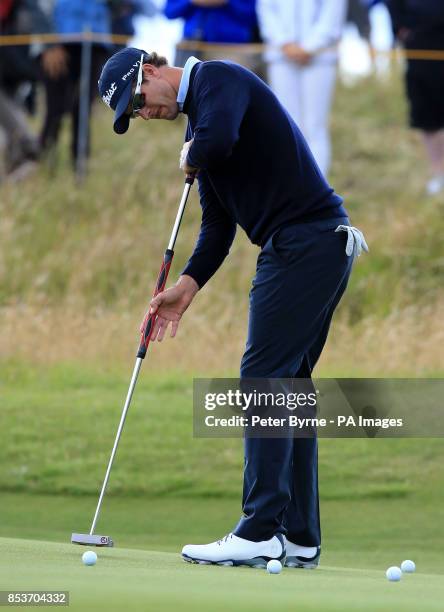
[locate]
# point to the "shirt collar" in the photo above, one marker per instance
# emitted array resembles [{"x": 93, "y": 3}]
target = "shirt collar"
[{"x": 185, "y": 81}]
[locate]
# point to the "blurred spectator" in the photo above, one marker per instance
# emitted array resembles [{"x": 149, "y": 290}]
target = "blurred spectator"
[
  {"x": 19, "y": 146},
  {"x": 302, "y": 63},
  {"x": 215, "y": 21},
  {"x": 18, "y": 67},
  {"x": 420, "y": 25},
  {"x": 358, "y": 14},
  {"x": 62, "y": 70},
  {"x": 123, "y": 13}
]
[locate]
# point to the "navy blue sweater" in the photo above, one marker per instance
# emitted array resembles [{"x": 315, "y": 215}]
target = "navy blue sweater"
[{"x": 256, "y": 168}]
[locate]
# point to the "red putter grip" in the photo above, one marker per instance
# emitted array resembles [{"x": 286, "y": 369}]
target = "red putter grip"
[{"x": 148, "y": 322}]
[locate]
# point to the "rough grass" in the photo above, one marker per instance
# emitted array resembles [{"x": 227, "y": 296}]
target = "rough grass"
[{"x": 77, "y": 264}]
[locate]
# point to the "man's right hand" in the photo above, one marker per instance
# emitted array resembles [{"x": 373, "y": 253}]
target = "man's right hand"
[
  {"x": 169, "y": 305},
  {"x": 183, "y": 165}
]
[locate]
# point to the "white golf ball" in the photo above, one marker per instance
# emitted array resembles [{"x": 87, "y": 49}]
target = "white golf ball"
[
  {"x": 408, "y": 567},
  {"x": 274, "y": 566},
  {"x": 393, "y": 574},
  {"x": 89, "y": 557}
]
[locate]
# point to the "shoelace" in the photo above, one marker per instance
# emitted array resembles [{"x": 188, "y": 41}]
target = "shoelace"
[
  {"x": 355, "y": 240},
  {"x": 225, "y": 539}
]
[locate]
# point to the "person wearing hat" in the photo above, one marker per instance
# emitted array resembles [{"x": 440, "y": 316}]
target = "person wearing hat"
[{"x": 254, "y": 170}]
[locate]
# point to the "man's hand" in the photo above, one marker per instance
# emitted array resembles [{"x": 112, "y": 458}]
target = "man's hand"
[
  {"x": 55, "y": 62},
  {"x": 402, "y": 35},
  {"x": 169, "y": 305},
  {"x": 183, "y": 159},
  {"x": 297, "y": 54}
]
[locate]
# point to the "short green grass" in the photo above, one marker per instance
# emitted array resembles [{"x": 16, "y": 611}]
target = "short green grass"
[
  {"x": 381, "y": 502},
  {"x": 364, "y": 533},
  {"x": 145, "y": 571},
  {"x": 136, "y": 580},
  {"x": 58, "y": 425}
]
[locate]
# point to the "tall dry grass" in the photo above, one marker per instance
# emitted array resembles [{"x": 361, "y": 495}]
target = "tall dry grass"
[
  {"x": 408, "y": 342},
  {"x": 77, "y": 264}
]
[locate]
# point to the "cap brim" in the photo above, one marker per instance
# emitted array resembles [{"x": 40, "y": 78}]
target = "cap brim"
[{"x": 121, "y": 120}]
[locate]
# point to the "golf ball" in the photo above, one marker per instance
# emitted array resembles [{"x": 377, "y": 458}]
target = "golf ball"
[
  {"x": 408, "y": 567},
  {"x": 274, "y": 566},
  {"x": 393, "y": 574},
  {"x": 89, "y": 557}
]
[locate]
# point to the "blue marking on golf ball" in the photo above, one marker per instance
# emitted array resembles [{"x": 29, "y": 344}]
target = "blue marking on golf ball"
[{"x": 89, "y": 557}]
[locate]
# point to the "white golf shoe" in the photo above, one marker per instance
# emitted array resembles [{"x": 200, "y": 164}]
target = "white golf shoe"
[
  {"x": 232, "y": 550},
  {"x": 306, "y": 557}
]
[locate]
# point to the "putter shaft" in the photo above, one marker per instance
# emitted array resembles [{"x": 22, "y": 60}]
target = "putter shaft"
[
  {"x": 116, "y": 441},
  {"x": 146, "y": 335}
]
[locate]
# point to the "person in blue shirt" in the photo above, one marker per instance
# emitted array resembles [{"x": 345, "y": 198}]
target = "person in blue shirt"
[
  {"x": 255, "y": 171},
  {"x": 63, "y": 73},
  {"x": 213, "y": 21}
]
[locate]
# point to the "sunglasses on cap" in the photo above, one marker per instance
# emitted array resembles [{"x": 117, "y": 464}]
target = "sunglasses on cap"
[{"x": 138, "y": 100}]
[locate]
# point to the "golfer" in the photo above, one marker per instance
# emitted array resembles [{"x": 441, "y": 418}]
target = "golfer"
[{"x": 255, "y": 171}]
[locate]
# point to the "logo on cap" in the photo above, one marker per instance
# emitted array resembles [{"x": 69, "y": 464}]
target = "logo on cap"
[
  {"x": 107, "y": 97},
  {"x": 131, "y": 71}
]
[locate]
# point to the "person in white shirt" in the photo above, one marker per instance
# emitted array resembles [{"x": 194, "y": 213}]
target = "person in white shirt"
[{"x": 302, "y": 61}]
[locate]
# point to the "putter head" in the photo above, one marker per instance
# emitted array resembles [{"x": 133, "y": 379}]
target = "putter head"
[{"x": 85, "y": 539}]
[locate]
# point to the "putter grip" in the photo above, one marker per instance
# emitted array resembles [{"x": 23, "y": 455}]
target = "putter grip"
[{"x": 148, "y": 322}]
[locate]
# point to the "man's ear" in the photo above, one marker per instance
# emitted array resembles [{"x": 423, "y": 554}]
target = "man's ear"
[{"x": 150, "y": 71}]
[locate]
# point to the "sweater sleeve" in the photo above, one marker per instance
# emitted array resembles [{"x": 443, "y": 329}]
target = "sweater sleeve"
[
  {"x": 216, "y": 235},
  {"x": 327, "y": 30},
  {"x": 222, "y": 100}
]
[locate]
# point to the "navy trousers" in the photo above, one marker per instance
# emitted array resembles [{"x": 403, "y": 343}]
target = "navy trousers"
[{"x": 302, "y": 272}]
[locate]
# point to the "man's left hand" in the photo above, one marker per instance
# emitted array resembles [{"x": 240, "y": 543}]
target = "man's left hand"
[{"x": 183, "y": 165}]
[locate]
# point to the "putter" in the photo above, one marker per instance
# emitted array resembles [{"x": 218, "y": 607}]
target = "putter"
[{"x": 91, "y": 539}]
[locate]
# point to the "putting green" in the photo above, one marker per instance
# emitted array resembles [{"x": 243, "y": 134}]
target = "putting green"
[{"x": 130, "y": 579}]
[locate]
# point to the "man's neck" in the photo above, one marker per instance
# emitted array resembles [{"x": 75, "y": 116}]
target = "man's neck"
[{"x": 173, "y": 75}]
